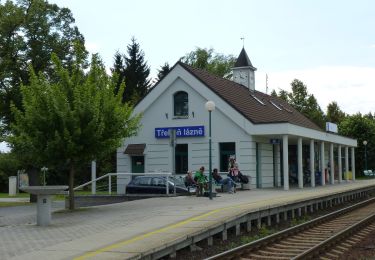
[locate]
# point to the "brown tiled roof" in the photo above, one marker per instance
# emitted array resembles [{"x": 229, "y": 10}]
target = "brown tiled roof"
[
  {"x": 247, "y": 102},
  {"x": 135, "y": 149}
]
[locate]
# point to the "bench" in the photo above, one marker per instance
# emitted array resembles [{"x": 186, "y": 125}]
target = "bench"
[{"x": 238, "y": 185}]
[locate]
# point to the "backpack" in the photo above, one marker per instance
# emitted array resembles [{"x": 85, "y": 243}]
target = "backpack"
[
  {"x": 234, "y": 178},
  {"x": 243, "y": 178}
]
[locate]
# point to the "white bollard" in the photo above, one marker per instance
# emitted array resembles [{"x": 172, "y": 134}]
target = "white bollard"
[{"x": 12, "y": 185}]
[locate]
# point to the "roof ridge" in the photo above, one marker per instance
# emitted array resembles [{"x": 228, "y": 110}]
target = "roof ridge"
[
  {"x": 210, "y": 74},
  {"x": 239, "y": 97}
]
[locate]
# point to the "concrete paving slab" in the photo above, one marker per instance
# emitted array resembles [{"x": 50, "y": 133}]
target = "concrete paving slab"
[{"x": 73, "y": 235}]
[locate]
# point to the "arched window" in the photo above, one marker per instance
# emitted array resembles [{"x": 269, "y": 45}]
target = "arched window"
[{"x": 181, "y": 104}]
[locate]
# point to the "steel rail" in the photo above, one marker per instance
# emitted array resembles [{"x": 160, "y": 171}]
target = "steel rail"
[
  {"x": 246, "y": 248},
  {"x": 314, "y": 251}
]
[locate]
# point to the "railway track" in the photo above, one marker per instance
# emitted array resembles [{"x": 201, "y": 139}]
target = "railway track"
[{"x": 327, "y": 237}]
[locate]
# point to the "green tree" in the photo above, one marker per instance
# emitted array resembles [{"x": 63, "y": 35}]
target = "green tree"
[
  {"x": 72, "y": 120},
  {"x": 29, "y": 32},
  {"x": 164, "y": 70},
  {"x": 334, "y": 113},
  {"x": 207, "y": 59},
  {"x": 361, "y": 128},
  {"x": 283, "y": 94},
  {"x": 136, "y": 73},
  {"x": 298, "y": 98},
  {"x": 273, "y": 93},
  {"x": 305, "y": 103},
  {"x": 9, "y": 164},
  {"x": 119, "y": 70}
]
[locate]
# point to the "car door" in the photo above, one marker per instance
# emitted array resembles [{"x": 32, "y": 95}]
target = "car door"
[
  {"x": 144, "y": 185},
  {"x": 158, "y": 185}
]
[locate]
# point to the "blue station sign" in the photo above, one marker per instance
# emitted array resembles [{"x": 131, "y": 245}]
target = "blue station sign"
[{"x": 182, "y": 131}]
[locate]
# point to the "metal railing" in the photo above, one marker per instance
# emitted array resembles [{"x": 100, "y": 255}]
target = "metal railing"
[{"x": 109, "y": 176}]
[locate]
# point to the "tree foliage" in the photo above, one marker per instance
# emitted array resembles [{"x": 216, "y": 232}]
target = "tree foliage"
[
  {"x": 29, "y": 32},
  {"x": 361, "y": 128},
  {"x": 9, "y": 164},
  {"x": 334, "y": 113},
  {"x": 163, "y": 71},
  {"x": 72, "y": 120},
  {"x": 304, "y": 102},
  {"x": 119, "y": 70},
  {"x": 136, "y": 73},
  {"x": 207, "y": 59}
]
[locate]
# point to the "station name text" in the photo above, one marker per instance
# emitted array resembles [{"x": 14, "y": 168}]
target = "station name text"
[{"x": 183, "y": 131}]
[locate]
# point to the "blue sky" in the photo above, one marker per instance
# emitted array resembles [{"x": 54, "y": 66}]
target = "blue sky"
[{"x": 329, "y": 45}]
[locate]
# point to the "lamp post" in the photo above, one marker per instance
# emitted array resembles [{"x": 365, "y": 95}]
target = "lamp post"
[
  {"x": 210, "y": 106},
  {"x": 365, "y": 144}
]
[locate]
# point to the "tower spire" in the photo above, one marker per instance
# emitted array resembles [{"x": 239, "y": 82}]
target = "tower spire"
[{"x": 243, "y": 41}]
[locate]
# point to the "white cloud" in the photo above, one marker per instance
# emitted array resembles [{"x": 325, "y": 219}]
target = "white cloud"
[
  {"x": 92, "y": 47},
  {"x": 351, "y": 87},
  {"x": 4, "y": 147},
  {"x": 372, "y": 46}
]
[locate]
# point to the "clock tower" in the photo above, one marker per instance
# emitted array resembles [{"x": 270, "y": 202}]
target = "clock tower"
[{"x": 243, "y": 71}]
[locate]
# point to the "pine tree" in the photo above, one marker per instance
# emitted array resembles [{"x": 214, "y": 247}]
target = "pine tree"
[
  {"x": 273, "y": 93},
  {"x": 118, "y": 70},
  {"x": 136, "y": 73},
  {"x": 164, "y": 69}
]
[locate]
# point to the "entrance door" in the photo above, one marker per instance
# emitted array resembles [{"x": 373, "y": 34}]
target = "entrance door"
[
  {"x": 138, "y": 164},
  {"x": 226, "y": 151},
  {"x": 181, "y": 158}
]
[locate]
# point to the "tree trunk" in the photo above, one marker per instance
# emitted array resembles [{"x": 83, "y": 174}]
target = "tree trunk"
[{"x": 71, "y": 186}]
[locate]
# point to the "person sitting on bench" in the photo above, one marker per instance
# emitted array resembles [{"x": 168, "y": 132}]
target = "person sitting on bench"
[
  {"x": 234, "y": 173},
  {"x": 189, "y": 180},
  {"x": 227, "y": 181},
  {"x": 201, "y": 181}
]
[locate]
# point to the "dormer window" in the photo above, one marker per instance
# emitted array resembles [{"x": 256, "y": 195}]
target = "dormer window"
[{"x": 181, "y": 104}]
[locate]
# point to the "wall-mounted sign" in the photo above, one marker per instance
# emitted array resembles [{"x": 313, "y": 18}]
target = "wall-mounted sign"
[
  {"x": 331, "y": 127},
  {"x": 182, "y": 131},
  {"x": 275, "y": 141}
]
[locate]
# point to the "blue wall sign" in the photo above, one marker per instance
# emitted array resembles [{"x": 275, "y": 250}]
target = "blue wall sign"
[
  {"x": 275, "y": 141},
  {"x": 182, "y": 131}
]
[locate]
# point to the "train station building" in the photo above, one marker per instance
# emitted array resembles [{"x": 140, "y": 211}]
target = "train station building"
[{"x": 272, "y": 142}]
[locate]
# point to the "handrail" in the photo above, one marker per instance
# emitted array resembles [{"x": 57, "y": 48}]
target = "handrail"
[{"x": 167, "y": 174}]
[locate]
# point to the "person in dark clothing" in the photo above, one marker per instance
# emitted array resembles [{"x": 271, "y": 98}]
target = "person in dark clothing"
[
  {"x": 227, "y": 181},
  {"x": 189, "y": 180}
]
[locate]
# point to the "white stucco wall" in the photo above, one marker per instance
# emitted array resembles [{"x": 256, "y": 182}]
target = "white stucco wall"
[
  {"x": 158, "y": 153},
  {"x": 227, "y": 126}
]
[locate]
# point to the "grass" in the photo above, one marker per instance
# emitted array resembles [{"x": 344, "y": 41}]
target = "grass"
[
  {"x": 56, "y": 197},
  {"x": 297, "y": 221},
  {"x": 19, "y": 195},
  {"x": 13, "y": 204},
  {"x": 263, "y": 232}
]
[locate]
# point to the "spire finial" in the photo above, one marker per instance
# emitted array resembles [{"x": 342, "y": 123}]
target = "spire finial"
[{"x": 243, "y": 41}]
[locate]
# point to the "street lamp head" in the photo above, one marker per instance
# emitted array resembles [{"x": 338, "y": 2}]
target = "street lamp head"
[
  {"x": 210, "y": 106},
  {"x": 364, "y": 142}
]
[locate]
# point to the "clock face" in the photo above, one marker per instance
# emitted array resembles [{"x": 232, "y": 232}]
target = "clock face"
[{"x": 243, "y": 78}]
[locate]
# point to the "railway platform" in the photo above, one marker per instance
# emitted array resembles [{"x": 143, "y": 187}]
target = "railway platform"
[{"x": 152, "y": 228}]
